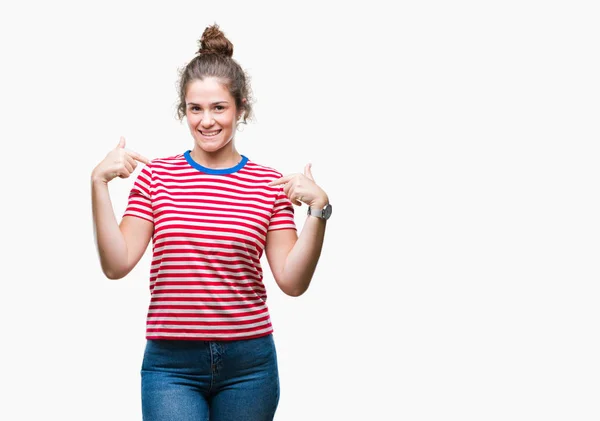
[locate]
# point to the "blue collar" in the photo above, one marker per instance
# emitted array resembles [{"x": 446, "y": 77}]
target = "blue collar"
[{"x": 207, "y": 170}]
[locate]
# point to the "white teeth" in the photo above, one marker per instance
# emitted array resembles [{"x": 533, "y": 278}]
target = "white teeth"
[{"x": 210, "y": 133}]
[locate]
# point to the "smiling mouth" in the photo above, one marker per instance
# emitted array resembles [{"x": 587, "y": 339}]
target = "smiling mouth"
[{"x": 210, "y": 133}]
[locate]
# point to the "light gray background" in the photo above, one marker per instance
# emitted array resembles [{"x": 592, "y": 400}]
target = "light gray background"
[{"x": 458, "y": 143}]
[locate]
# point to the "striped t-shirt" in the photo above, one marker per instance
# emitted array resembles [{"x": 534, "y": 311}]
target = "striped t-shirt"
[{"x": 210, "y": 227}]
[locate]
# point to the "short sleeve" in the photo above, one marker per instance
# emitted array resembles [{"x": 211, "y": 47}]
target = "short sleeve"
[
  {"x": 283, "y": 213},
  {"x": 140, "y": 198}
]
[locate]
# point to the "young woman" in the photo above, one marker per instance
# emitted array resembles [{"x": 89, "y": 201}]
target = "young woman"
[{"x": 211, "y": 213}]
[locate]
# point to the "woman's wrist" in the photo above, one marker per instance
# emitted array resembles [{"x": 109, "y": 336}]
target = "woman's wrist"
[
  {"x": 319, "y": 203},
  {"x": 96, "y": 179}
]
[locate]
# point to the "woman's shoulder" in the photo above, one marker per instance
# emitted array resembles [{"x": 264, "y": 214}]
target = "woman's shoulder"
[
  {"x": 167, "y": 162},
  {"x": 263, "y": 169}
]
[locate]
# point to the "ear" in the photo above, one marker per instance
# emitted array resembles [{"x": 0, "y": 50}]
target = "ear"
[{"x": 241, "y": 113}]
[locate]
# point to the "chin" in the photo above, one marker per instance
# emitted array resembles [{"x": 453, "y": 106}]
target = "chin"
[
  {"x": 221, "y": 142},
  {"x": 210, "y": 147}
]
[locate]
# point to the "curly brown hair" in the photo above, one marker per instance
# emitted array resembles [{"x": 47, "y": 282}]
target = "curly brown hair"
[{"x": 214, "y": 59}]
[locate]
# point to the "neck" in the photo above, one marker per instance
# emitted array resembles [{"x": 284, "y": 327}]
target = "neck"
[{"x": 216, "y": 160}]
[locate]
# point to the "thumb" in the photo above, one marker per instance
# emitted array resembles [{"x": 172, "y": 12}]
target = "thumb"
[
  {"x": 121, "y": 143},
  {"x": 307, "y": 172}
]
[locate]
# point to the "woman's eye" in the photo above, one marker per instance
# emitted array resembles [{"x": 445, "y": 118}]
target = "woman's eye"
[{"x": 219, "y": 108}]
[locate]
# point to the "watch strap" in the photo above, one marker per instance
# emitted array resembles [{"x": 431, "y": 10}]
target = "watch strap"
[
  {"x": 324, "y": 213},
  {"x": 315, "y": 212}
]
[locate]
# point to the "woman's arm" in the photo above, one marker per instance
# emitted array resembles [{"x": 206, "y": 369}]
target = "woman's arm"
[
  {"x": 293, "y": 259},
  {"x": 119, "y": 247}
]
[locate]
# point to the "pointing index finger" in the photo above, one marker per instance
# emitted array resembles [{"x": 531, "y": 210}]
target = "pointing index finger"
[
  {"x": 281, "y": 180},
  {"x": 139, "y": 157}
]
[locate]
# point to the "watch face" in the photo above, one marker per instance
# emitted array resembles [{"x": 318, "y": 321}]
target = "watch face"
[{"x": 327, "y": 211}]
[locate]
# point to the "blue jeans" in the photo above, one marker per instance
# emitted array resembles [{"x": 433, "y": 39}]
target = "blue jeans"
[{"x": 210, "y": 380}]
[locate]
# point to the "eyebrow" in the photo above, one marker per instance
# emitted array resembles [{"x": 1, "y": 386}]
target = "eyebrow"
[{"x": 214, "y": 103}]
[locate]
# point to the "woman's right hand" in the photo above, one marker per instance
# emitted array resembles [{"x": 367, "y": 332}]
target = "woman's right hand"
[{"x": 119, "y": 162}]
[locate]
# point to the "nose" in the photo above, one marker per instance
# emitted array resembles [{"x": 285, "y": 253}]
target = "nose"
[{"x": 207, "y": 120}]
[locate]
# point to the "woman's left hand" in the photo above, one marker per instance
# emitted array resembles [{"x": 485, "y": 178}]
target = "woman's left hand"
[{"x": 301, "y": 188}]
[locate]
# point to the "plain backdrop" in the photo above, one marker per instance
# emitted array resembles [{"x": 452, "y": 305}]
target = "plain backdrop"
[{"x": 458, "y": 143}]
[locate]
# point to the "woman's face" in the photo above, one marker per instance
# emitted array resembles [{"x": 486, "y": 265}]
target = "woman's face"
[{"x": 211, "y": 113}]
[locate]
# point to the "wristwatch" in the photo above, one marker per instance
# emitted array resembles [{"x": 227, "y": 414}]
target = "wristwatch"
[{"x": 324, "y": 213}]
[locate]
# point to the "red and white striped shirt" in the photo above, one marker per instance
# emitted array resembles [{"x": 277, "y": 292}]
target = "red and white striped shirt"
[{"x": 210, "y": 230}]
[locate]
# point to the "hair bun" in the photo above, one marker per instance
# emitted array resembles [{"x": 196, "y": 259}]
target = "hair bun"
[{"x": 213, "y": 41}]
